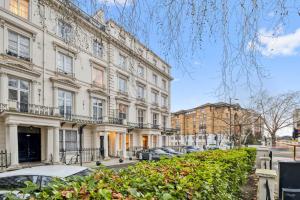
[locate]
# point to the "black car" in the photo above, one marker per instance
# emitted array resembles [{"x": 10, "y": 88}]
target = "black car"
[{"x": 153, "y": 154}]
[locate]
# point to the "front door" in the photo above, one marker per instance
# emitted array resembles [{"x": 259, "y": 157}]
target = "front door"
[
  {"x": 29, "y": 143},
  {"x": 145, "y": 142},
  {"x": 102, "y": 146}
]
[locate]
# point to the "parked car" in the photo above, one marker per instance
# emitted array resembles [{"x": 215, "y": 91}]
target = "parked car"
[
  {"x": 171, "y": 151},
  {"x": 14, "y": 180},
  {"x": 212, "y": 147},
  {"x": 191, "y": 149},
  {"x": 153, "y": 154}
]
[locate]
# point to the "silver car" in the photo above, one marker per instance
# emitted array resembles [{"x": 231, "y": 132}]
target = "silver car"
[{"x": 41, "y": 176}]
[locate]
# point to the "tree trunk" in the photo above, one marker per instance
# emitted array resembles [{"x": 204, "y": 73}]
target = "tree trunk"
[{"x": 273, "y": 136}]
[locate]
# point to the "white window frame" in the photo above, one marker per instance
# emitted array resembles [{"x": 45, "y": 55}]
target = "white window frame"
[
  {"x": 63, "y": 69},
  {"x": 164, "y": 84},
  {"x": 154, "y": 79},
  {"x": 122, "y": 89},
  {"x": 155, "y": 118},
  {"x": 65, "y": 102},
  {"x": 94, "y": 81},
  {"x": 19, "y": 9},
  {"x": 97, "y": 101},
  {"x": 141, "y": 71},
  {"x": 154, "y": 97},
  {"x": 141, "y": 116},
  {"x": 19, "y": 37},
  {"x": 140, "y": 91},
  {"x": 98, "y": 49},
  {"x": 164, "y": 101},
  {"x": 62, "y": 132}
]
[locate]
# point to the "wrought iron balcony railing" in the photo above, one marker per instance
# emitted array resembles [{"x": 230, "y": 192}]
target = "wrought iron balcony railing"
[{"x": 30, "y": 108}]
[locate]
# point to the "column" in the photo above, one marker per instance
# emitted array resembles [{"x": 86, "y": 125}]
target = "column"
[
  {"x": 3, "y": 88},
  {"x": 117, "y": 146},
  {"x": 50, "y": 145},
  {"x": 124, "y": 153},
  {"x": 55, "y": 101},
  {"x": 56, "y": 145},
  {"x": 266, "y": 176},
  {"x": 159, "y": 141},
  {"x": 95, "y": 139},
  {"x": 34, "y": 94},
  {"x": 14, "y": 150},
  {"x": 106, "y": 150},
  {"x": 149, "y": 141}
]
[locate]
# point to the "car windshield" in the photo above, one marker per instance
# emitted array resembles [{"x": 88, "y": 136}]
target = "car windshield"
[{"x": 16, "y": 182}]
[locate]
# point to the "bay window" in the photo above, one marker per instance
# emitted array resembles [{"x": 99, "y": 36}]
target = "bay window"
[
  {"x": 65, "y": 103},
  {"x": 20, "y": 7},
  {"x": 18, "y": 45},
  {"x": 97, "y": 109}
]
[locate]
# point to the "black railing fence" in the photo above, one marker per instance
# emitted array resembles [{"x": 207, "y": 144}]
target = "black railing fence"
[
  {"x": 4, "y": 160},
  {"x": 70, "y": 157}
]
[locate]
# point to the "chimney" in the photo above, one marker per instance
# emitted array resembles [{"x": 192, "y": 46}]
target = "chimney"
[{"x": 99, "y": 16}]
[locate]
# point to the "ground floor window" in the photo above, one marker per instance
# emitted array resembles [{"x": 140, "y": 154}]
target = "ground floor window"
[{"x": 68, "y": 140}]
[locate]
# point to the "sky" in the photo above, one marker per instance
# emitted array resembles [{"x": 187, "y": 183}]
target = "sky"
[{"x": 279, "y": 56}]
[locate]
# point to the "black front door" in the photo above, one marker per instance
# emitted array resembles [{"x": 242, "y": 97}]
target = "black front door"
[
  {"x": 29, "y": 143},
  {"x": 102, "y": 146}
]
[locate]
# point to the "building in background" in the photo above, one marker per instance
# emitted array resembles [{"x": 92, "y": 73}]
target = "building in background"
[
  {"x": 61, "y": 69},
  {"x": 211, "y": 124}
]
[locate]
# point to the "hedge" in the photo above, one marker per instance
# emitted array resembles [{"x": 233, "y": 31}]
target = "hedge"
[{"x": 205, "y": 175}]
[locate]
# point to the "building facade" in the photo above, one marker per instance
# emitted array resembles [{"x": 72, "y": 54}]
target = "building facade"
[
  {"x": 62, "y": 70},
  {"x": 214, "y": 124}
]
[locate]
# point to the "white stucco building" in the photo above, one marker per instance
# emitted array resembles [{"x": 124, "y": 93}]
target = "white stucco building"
[{"x": 61, "y": 69}]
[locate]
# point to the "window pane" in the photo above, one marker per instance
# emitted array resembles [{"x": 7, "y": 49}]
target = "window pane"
[
  {"x": 13, "y": 42},
  {"x": 24, "y": 8},
  {"x": 61, "y": 139},
  {"x": 60, "y": 61},
  {"x": 13, "y": 82},
  {"x": 13, "y": 6},
  {"x": 98, "y": 76},
  {"x": 24, "y": 85},
  {"x": 24, "y": 47},
  {"x": 71, "y": 140},
  {"x": 13, "y": 95},
  {"x": 68, "y": 64}
]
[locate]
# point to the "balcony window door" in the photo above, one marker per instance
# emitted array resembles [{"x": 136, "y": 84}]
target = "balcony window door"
[
  {"x": 98, "y": 77},
  {"x": 18, "y": 91},
  {"x": 155, "y": 119},
  {"x": 65, "y": 103},
  {"x": 65, "y": 64},
  {"x": 20, "y": 7},
  {"x": 97, "y": 109},
  {"x": 123, "y": 109},
  {"x": 18, "y": 45},
  {"x": 141, "y": 118}
]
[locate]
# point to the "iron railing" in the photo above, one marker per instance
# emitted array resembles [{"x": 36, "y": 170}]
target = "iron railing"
[
  {"x": 4, "y": 160},
  {"x": 70, "y": 157},
  {"x": 3, "y": 107},
  {"x": 30, "y": 108}
]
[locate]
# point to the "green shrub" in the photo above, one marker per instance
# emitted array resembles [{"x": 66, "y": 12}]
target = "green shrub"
[{"x": 204, "y": 175}]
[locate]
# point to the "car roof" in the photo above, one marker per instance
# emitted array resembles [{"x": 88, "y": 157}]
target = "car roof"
[{"x": 60, "y": 171}]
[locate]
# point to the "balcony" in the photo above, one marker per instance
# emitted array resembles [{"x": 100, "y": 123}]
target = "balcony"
[
  {"x": 123, "y": 93},
  {"x": 138, "y": 125},
  {"x": 64, "y": 73},
  {"x": 16, "y": 106},
  {"x": 82, "y": 119},
  {"x": 141, "y": 99},
  {"x": 154, "y": 126}
]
